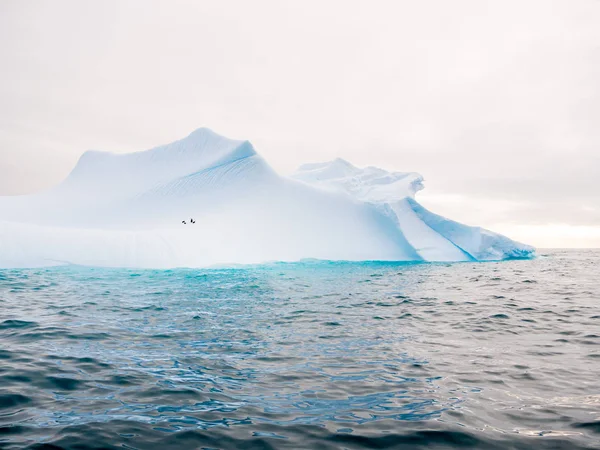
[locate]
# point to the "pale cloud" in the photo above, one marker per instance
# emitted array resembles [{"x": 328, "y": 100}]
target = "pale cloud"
[{"x": 554, "y": 235}]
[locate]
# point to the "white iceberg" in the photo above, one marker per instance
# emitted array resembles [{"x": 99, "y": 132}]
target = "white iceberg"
[{"x": 126, "y": 210}]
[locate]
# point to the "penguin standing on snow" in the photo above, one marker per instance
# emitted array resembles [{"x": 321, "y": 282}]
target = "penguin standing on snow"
[
  {"x": 192, "y": 221},
  {"x": 183, "y": 222}
]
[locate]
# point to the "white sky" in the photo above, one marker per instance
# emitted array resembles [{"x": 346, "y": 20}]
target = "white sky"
[{"x": 496, "y": 103}]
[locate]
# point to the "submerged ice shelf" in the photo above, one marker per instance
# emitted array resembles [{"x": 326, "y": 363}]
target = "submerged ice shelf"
[{"x": 125, "y": 210}]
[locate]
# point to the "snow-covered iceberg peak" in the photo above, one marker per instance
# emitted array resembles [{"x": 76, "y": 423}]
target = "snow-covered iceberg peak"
[
  {"x": 134, "y": 210},
  {"x": 105, "y": 173},
  {"x": 370, "y": 184}
]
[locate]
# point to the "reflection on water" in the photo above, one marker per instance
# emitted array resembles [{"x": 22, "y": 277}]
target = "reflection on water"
[{"x": 312, "y": 354}]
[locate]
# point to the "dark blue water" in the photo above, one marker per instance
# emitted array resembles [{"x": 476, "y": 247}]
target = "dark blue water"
[{"x": 306, "y": 355}]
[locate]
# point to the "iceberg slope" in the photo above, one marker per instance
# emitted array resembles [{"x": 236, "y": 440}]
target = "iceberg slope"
[
  {"x": 126, "y": 210},
  {"x": 433, "y": 237}
]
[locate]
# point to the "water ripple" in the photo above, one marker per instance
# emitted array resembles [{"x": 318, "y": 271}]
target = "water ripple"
[{"x": 304, "y": 355}]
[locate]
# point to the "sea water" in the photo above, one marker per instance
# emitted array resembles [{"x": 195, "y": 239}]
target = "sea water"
[{"x": 304, "y": 355}]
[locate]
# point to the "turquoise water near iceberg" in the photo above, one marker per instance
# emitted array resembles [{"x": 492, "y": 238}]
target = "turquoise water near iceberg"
[{"x": 304, "y": 355}]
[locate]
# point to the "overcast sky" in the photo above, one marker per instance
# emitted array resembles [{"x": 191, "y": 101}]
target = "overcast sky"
[{"x": 496, "y": 103}]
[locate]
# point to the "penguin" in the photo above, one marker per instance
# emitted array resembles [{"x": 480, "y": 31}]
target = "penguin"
[
  {"x": 183, "y": 222},
  {"x": 192, "y": 221}
]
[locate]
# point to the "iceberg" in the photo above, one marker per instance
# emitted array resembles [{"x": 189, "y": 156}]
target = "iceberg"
[{"x": 127, "y": 210}]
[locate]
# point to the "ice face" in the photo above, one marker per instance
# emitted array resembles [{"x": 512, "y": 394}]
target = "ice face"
[
  {"x": 126, "y": 210},
  {"x": 434, "y": 238}
]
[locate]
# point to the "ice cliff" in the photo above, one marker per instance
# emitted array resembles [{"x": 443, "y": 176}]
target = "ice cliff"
[{"x": 125, "y": 210}]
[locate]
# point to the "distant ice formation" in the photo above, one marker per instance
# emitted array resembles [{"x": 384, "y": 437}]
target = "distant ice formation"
[{"x": 126, "y": 210}]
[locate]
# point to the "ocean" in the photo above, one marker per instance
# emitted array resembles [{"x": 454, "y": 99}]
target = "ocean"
[{"x": 311, "y": 354}]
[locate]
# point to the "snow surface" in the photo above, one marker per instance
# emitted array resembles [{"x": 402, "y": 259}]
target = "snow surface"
[{"x": 125, "y": 210}]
